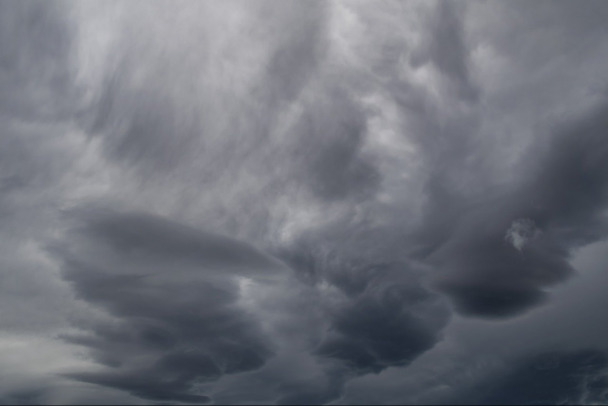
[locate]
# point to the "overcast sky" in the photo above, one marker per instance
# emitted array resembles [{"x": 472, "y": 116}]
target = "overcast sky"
[{"x": 345, "y": 202}]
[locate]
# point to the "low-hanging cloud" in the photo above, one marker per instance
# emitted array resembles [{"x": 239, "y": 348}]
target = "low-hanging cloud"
[
  {"x": 310, "y": 202},
  {"x": 171, "y": 293}
]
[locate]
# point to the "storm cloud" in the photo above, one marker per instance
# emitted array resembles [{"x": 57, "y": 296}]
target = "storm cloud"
[{"x": 303, "y": 202}]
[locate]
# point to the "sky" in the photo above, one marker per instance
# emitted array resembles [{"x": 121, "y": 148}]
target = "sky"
[{"x": 303, "y": 202}]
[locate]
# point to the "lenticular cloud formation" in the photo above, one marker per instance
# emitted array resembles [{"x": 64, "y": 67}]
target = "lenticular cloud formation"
[{"x": 255, "y": 202}]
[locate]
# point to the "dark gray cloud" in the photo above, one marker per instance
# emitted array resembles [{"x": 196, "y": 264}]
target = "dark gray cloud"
[
  {"x": 382, "y": 325},
  {"x": 381, "y": 313},
  {"x": 557, "y": 186},
  {"x": 562, "y": 200},
  {"x": 251, "y": 202},
  {"x": 135, "y": 232},
  {"x": 171, "y": 294},
  {"x": 478, "y": 357},
  {"x": 547, "y": 378},
  {"x": 22, "y": 398}
]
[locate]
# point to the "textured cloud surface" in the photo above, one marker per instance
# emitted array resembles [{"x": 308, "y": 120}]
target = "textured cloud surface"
[{"x": 253, "y": 202}]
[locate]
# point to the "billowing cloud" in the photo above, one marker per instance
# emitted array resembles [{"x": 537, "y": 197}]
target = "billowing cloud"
[
  {"x": 563, "y": 200},
  {"x": 171, "y": 293},
  {"x": 303, "y": 202}
]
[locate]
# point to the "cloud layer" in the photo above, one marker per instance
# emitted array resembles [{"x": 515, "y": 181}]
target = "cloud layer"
[{"x": 303, "y": 202}]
